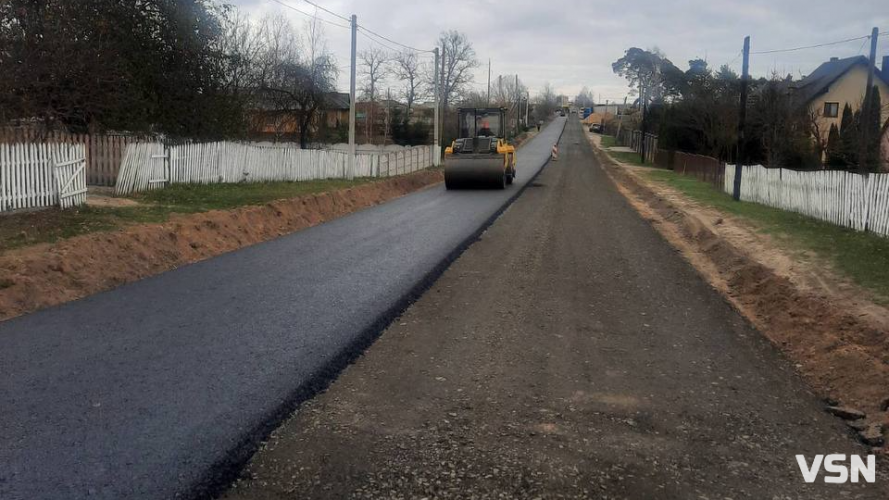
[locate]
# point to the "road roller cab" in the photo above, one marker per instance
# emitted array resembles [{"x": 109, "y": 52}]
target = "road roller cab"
[{"x": 480, "y": 157}]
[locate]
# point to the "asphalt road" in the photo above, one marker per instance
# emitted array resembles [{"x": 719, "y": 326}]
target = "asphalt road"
[
  {"x": 569, "y": 353},
  {"x": 160, "y": 388}
]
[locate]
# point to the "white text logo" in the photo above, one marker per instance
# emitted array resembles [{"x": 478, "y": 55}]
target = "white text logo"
[{"x": 836, "y": 470}]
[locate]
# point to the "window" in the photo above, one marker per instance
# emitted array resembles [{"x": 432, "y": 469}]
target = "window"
[{"x": 831, "y": 109}]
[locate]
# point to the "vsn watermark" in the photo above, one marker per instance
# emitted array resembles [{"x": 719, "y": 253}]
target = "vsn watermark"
[{"x": 835, "y": 469}]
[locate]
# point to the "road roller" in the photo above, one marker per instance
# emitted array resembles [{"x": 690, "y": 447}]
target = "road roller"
[{"x": 481, "y": 157}]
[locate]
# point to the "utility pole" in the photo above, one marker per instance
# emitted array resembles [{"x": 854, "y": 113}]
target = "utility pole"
[
  {"x": 388, "y": 121},
  {"x": 444, "y": 92},
  {"x": 866, "y": 117},
  {"x": 602, "y": 122},
  {"x": 488, "y": 99},
  {"x": 518, "y": 104},
  {"x": 742, "y": 118},
  {"x": 435, "y": 139},
  {"x": 351, "y": 173},
  {"x": 642, "y": 135},
  {"x": 527, "y": 105},
  {"x": 620, "y": 118}
]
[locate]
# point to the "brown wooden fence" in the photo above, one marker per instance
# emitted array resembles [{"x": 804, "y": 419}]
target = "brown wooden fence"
[
  {"x": 104, "y": 153},
  {"x": 703, "y": 168}
]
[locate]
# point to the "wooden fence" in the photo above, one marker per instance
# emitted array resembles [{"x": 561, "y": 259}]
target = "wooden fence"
[
  {"x": 847, "y": 199},
  {"x": 151, "y": 165},
  {"x": 633, "y": 139},
  {"x": 103, "y": 152},
  {"x": 42, "y": 175},
  {"x": 703, "y": 168}
]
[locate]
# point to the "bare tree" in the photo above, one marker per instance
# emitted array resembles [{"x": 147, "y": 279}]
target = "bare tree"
[
  {"x": 294, "y": 75},
  {"x": 509, "y": 92},
  {"x": 373, "y": 69},
  {"x": 458, "y": 61},
  {"x": 546, "y": 102},
  {"x": 585, "y": 98},
  {"x": 474, "y": 99},
  {"x": 409, "y": 69},
  {"x": 241, "y": 43}
]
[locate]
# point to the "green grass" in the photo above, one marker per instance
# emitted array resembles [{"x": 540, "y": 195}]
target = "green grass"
[
  {"x": 46, "y": 226},
  {"x": 608, "y": 141},
  {"x": 201, "y": 198},
  {"x": 862, "y": 257},
  {"x": 629, "y": 158}
]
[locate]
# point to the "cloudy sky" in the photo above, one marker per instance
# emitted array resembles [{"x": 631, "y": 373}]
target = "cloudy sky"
[{"x": 572, "y": 43}]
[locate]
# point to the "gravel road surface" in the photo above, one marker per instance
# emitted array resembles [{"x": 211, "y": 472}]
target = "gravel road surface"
[
  {"x": 570, "y": 353},
  {"x": 161, "y": 388}
]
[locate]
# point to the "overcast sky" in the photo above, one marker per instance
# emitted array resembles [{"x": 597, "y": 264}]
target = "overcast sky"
[{"x": 572, "y": 43}]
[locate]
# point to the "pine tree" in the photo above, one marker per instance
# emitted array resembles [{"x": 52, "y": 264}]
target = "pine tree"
[
  {"x": 835, "y": 158},
  {"x": 849, "y": 137},
  {"x": 870, "y": 156}
]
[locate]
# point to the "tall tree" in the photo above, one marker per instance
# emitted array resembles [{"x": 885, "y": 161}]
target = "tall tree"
[
  {"x": 90, "y": 65},
  {"x": 849, "y": 137},
  {"x": 458, "y": 59},
  {"x": 409, "y": 69},
  {"x": 294, "y": 73},
  {"x": 871, "y": 121},
  {"x": 585, "y": 98},
  {"x": 835, "y": 158},
  {"x": 546, "y": 102},
  {"x": 373, "y": 68},
  {"x": 648, "y": 73}
]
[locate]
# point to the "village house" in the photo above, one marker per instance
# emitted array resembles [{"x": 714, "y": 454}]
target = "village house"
[
  {"x": 838, "y": 82},
  {"x": 275, "y": 124}
]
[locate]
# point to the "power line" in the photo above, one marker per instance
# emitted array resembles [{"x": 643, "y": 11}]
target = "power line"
[
  {"x": 360, "y": 27},
  {"x": 863, "y": 43},
  {"x": 729, "y": 64},
  {"x": 817, "y": 45},
  {"x": 309, "y": 15},
  {"x": 328, "y": 11},
  {"x": 381, "y": 44},
  {"x": 368, "y": 30}
]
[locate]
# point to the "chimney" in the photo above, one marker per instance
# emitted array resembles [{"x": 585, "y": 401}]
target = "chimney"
[
  {"x": 834, "y": 59},
  {"x": 886, "y": 68}
]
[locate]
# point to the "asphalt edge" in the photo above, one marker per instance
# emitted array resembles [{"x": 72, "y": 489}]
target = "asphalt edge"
[{"x": 224, "y": 473}]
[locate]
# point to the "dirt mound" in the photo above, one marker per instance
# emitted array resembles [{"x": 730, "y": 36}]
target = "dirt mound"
[
  {"x": 35, "y": 277},
  {"x": 840, "y": 347}
]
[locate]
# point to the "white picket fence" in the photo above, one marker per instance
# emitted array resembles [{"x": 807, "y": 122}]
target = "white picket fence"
[
  {"x": 151, "y": 166},
  {"x": 847, "y": 199},
  {"x": 39, "y": 175}
]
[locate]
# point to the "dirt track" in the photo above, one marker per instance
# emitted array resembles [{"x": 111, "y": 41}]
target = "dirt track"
[{"x": 569, "y": 353}]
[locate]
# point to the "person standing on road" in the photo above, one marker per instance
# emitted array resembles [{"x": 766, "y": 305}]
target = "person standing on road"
[{"x": 539, "y": 123}]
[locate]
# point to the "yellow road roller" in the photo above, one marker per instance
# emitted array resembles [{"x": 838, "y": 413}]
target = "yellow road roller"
[{"x": 480, "y": 158}]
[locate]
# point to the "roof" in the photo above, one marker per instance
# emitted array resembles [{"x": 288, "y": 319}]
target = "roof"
[
  {"x": 819, "y": 81},
  {"x": 264, "y": 101},
  {"x": 336, "y": 100}
]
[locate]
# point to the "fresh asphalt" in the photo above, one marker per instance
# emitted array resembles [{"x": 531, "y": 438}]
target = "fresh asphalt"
[{"x": 163, "y": 387}]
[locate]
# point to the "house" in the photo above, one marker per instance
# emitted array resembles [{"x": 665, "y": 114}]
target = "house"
[
  {"x": 336, "y": 109},
  {"x": 839, "y": 82},
  {"x": 269, "y": 122}
]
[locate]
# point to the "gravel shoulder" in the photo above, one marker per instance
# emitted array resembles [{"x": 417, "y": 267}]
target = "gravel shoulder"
[{"x": 570, "y": 353}]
